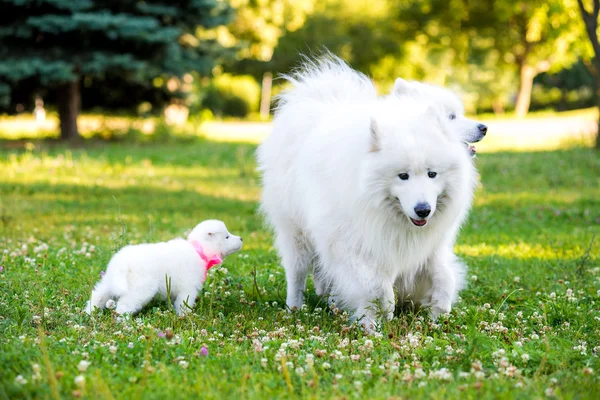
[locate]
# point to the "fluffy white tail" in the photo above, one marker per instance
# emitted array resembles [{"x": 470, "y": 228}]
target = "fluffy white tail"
[{"x": 326, "y": 80}]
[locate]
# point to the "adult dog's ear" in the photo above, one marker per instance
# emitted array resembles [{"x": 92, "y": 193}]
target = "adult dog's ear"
[
  {"x": 375, "y": 137},
  {"x": 401, "y": 87}
]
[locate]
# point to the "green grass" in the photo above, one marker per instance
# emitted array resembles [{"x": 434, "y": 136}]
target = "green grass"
[{"x": 526, "y": 327}]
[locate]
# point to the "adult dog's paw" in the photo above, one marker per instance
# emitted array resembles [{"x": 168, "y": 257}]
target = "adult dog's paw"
[{"x": 437, "y": 310}]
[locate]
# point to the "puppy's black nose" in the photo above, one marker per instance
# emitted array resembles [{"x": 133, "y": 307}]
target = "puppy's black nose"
[
  {"x": 422, "y": 210},
  {"x": 241, "y": 240},
  {"x": 482, "y": 128}
]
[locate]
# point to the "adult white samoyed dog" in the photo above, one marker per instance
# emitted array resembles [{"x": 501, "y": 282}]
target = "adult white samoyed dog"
[{"x": 368, "y": 190}]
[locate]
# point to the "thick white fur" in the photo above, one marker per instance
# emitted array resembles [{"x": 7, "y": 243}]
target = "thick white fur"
[
  {"x": 332, "y": 193},
  {"x": 137, "y": 273},
  {"x": 447, "y": 104}
]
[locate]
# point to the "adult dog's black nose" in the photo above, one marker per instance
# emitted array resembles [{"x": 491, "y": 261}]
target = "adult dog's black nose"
[
  {"x": 482, "y": 128},
  {"x": 422, "y": 209}
]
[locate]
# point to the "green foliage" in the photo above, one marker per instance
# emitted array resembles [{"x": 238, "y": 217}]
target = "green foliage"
[
  {"x": 258, "y": 25},
  {"x": 526, "y": 326},
  {"x": 229, "y": 95},
  {"x": 482, "y": 46},
  {"x": 361, "y": 32},
  {"x": 52, "y": 42}
]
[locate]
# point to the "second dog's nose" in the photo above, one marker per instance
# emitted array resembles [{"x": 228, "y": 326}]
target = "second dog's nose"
[
  {"x": 482, "y": 128},
  {"x": 422, "y": 210}
]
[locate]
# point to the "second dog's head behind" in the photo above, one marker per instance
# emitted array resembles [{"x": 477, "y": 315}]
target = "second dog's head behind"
[
  {"x": 447, "y": 104},
  {"x": 214, "y": 238}
]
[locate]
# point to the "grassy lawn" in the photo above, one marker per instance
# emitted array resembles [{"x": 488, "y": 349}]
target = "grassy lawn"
[{"x": 527, "y": 326}]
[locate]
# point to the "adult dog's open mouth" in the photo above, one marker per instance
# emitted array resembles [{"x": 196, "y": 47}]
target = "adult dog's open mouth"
[
  {"x": 471, "y": 149},
  {"x": 419, "y": 222}
]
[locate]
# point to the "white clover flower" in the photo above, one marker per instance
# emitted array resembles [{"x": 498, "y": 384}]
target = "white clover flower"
[
  {"x": 474, "y": 278},
  {"x": 326, "y": 365},
  {"x": 525, "y": 357},
  {"x": 80, "y": 381},
  {"x": 338, "y": 376},
  {"x": 112, "y": 349},
  {"x": 83, "y": 365},
  {"x": 20, "y": 380},
  {"x": 300, "y": 371},
  {"x": 183, "y": 364}
]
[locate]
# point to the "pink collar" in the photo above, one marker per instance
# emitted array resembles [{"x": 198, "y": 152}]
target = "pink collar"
[{"x": 210, "y": 262}]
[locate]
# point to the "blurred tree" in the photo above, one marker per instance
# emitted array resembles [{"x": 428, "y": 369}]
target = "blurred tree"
[
  {"x": 540, "y": 35},
  {"x": 359, "y": 31},
  {"x": 258, "y": 25},
  {"x": 527, "y": 37},
  {"x": 254, "y": 34},
  {"x": 57, "y": 43},
  {"x": 590, "y": 18}
]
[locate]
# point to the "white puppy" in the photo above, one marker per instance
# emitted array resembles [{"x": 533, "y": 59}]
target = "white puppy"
[{"x": 137, "y": 273}]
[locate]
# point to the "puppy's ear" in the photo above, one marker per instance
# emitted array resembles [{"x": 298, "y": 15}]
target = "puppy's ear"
[
  {"x": 401, "y": 87},
  {"x": 375, "y": 137}
]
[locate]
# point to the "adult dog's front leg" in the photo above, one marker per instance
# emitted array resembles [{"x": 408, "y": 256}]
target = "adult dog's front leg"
[
  {"x": 371, "y": 297},
  {"x": 446, "y": 279}
]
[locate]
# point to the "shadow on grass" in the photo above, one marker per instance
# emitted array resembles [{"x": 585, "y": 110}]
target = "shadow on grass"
[
  {"x": 25, "y": 206},
  {"x": 196, "y": 152}
]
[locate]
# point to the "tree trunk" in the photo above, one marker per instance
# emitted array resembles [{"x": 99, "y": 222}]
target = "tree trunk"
[
  {"x": 591, "y": 26},
  {"x": 497, "y": 107},
  {"x": 598, "y": 131},
  {"x": 524, "y": 96},
  {"x": 69, "y": 104},
  {"x": 265, "y": 96}
]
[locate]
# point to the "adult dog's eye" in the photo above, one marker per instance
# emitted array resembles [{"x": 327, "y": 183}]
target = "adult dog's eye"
[
  {"x": 452, "y": 116},
  {"x": 432, "y": 174},
  {"x": 403, "y": 176}
]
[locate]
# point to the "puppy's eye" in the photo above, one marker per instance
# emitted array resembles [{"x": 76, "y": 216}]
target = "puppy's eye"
[
  {"x": 227, "y": 237},
  {"x": 403, "y": 176},
  {"x": 432, "y": 174},
  {"x": 452, "y": 116}
]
